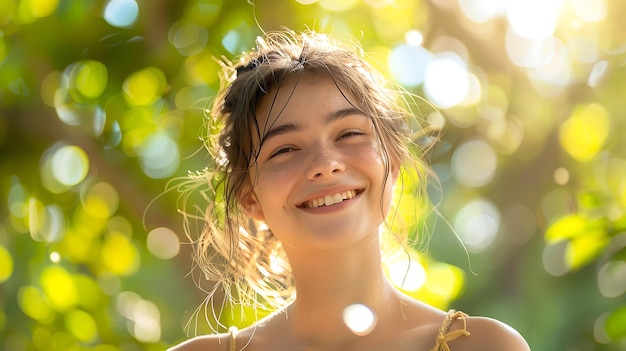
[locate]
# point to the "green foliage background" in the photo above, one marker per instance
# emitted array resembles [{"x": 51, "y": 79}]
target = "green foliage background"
[{"x": 78, "y": 270}]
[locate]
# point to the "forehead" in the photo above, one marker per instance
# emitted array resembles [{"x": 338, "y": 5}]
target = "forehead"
[{"x": 302, "y": 94}]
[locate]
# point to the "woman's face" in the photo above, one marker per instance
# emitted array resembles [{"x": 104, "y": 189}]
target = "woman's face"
[{"x": 320, "y": 174}]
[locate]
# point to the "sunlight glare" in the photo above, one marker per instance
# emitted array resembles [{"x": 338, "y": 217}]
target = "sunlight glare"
[
  {"x": 481, "y": 11},
  {"x": 598, "y": 72},
  {"x": 337, "y": 5},
  {"x": 377, "y": 3},
  {"x": 414, "y": 37},
  {"x": 525, "y": 52},
  {"x": 55, "y": 257},
  {"x": 533, "y": 19},
  {"x": 583, "y": 49},
  {"x": 408, "y": 63},
  {"x": 589, "y": 10},
  {"x": 406, "y": 273},
  {"x": 554, "y": 77},
  {"x": 359, "y": 319},
  {"x": 446, "y": 82}
]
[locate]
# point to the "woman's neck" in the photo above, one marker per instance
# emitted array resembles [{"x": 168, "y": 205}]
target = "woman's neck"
[{"x": 329, "y": 281}]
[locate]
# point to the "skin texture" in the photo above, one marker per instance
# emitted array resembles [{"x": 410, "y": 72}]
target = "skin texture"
[{"x": 316, "y": 145}]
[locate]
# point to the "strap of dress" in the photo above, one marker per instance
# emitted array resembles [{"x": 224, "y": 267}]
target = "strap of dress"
[
  {"x": 444, "y": 336},
  {"x": 232, "y": 331}
]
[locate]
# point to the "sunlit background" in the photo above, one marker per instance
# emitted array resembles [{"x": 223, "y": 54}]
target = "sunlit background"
[{"x": 101, "y": 103}]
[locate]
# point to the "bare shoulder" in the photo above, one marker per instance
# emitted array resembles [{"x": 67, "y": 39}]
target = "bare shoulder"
[
  {"x": 490, "y": 334},
  {"x": 217, "y": 342}
]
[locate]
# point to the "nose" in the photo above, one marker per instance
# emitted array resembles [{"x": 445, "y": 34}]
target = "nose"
[{"x": 325, "y": 162}]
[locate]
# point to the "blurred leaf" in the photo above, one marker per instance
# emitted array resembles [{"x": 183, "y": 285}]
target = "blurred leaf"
[
  {"x": 6, "y": 264},
  {"x": 81, "y": 325},
  {"x": 60, "y": 288},
  {"x": 616, "y": 324},
  {"x": 89, "y": 78},
  {"x": 573, "y": 226},
  {"x": 584, "y": 133},
  {"x": 620, "y": 255},
  {"x": 119, "y": 255},
  {"x": 585, "y": 248}
]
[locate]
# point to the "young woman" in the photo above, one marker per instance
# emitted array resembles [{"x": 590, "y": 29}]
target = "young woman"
[{"x": 311, "y": 144}]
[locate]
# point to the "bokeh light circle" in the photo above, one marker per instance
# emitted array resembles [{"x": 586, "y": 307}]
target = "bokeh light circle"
[
  {"x": 70, "y": 165},
  {"x": 589, "y": 10},
  {"x": 612, "y": 278},
  {"x": 188, "y": 38},
  {"x": 480, "y": 11},
  {"x": 408, "y": 63},
  {"x": 145, "y": 86},
  {"x": 337, "y": 5},
  {"x": 477, "y": 224},
  {"x": 101, "y": 200},
  {"x": 159, "y": 156},
  {"x": 121, "y": 13},
  {"x": 163, "y": 243},
  {"x": 406, "y": 273},
  {"x": 446, "y": 81},
  {"x": 88, "y": 78},
  {"x": 533, "y": 19},
  {"x": 46, "y": 223},
  {"x": 474, "y": 163},
  {"x": 359, "y": 319}
]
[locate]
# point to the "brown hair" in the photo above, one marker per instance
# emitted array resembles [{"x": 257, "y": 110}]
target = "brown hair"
[{"x": 232, "y": 250}]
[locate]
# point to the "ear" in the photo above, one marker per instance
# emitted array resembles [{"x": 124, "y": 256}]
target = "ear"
[{"x": 252, "y": 207}]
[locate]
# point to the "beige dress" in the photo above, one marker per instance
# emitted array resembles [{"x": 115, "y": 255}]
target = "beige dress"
[{"x": 441, "y": 343}]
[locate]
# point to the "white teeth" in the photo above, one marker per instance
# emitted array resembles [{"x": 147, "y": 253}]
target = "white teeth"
[{"x": 329, "y": 200}]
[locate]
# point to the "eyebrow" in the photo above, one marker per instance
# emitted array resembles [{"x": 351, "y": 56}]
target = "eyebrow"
[{"x": 295, "y": 127}]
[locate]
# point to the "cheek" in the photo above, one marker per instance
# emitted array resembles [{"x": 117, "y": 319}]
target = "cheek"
[
  {"x": 373, "y": 160},
  {"x": 273, "y": 183},
  {"x": 275, "y": 175}
]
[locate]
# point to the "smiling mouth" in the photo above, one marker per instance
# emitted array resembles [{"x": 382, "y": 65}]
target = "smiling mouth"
[{"x": 330, "y": 200}]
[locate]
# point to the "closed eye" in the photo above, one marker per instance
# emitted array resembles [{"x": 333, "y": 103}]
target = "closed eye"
[
  {"x": 282, "y": 150},
  {"x": 351, "y": 132}
]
